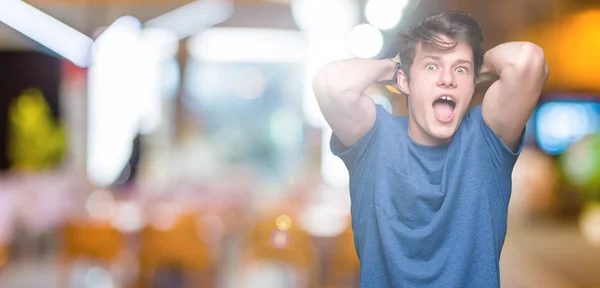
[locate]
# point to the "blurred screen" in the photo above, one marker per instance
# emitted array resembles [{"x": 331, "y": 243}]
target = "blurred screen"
[{"x": 561, "y": 123}]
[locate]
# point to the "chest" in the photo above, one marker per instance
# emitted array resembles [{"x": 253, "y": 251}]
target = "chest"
[{"x": 418, "y": 188}]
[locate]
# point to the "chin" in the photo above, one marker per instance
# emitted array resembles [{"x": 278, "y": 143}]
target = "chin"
[{"x": 443, "y": 133}]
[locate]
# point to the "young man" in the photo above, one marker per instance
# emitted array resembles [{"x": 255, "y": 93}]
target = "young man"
[{"x": 430, "y": 191}]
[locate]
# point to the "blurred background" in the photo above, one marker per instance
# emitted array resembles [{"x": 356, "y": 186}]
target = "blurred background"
[{"x": 177, "y": 143}]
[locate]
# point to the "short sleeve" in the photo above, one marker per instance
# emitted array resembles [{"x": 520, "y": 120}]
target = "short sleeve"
[
  {"x": 501, "y": 154},
  {"x": 355, "y": 153}
]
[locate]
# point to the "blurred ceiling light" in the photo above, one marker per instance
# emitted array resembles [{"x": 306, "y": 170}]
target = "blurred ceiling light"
[
  {"x": 248, "y": 45},
  {"x": 46, "y": 30},
  {"x": 194, "y": 17},
  {"x": 365, "y": 41},
  {"x": 125, "y": 86},
  {"x": 322, "y": 17},
  {"x": 113, "y": 118},
  {"x": 155, "y": 47},
  {"x": 158, "y": 43},
  {"x": 120, "y": 30},
  {"x": 326, "y": 25},
  {"x": 384, "y": 14}
]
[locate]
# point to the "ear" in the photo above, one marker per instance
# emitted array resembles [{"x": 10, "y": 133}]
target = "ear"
[{"x": 403, "y": 83}]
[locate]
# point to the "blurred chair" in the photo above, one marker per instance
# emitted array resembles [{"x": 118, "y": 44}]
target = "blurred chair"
[
  {"x": 91, "y": 240},
  {"x": 3, "y": 256},
  {"x": 343, "y": 264},
  {"x": 176, "y": 248},
  {"x": 274, "y": 256}
]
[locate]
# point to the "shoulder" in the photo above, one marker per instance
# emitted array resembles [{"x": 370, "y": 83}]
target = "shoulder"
[
  {"x": 380, "y": 136},
  {"x": 470, "y": 122},
  {"x": 477, "y": 132},
  {"x": 474, "y": 115}
]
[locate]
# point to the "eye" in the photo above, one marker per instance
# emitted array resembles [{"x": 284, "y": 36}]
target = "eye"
[
  {"x": 430, "y": 67},
  {"x": 461, "y": 70}
]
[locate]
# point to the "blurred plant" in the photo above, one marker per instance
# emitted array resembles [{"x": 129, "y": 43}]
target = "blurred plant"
[
  {"x": 36, "y": 141},
  {"x": 581, "y": 166}
]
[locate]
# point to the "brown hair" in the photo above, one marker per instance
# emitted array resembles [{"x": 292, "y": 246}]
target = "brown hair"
[{"x": 456, "y": 25}]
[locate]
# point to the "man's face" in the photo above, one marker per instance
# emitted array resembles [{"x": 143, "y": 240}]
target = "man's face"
[{"x": 440, "y": 90}]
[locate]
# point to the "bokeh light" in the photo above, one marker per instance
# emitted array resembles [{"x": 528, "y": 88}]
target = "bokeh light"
[
  {"x": 365, "y": 41},
  {"x": 164, "y": 216},
  {"x": 314, "y": 16},
  {"x": 384, "y": 14},
  {"x": 392, "y": 89},
  {"x": 581, "y": 164},
  {"x": 98, "y": 278},
  {"x": 128, "y": 217},
  {"x": 559, "y": 124},
  {"x": 283, "y": 222},
  {"x": 589, "y": 223},
  {"x": 280, "y": 239},
  {"x": 100, "y": 205}
]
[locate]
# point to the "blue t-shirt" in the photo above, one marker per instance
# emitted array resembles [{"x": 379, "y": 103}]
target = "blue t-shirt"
[{"x": 429, "y": 216}]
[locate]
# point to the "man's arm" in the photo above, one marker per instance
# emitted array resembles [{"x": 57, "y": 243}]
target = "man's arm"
[
  {"x": 521, "y": 72},
  {"x": 339, "y": 88}
]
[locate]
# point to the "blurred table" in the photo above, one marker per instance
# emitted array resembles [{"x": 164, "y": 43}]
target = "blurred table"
[{"x": 549, "y": 254}]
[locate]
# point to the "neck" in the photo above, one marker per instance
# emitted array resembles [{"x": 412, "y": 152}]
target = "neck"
[{"x": 418, "y": 135}]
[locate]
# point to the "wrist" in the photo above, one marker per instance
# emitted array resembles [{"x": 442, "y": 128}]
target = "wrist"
[
  {"x": 487, "y": 73},
  {"x": 390, "y": 73}
]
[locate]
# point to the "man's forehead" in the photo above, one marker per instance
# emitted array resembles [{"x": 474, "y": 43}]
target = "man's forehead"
[{"x": 460, "y": 51}]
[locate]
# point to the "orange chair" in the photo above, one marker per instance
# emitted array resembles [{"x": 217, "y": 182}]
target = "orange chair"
[
  {"x": 3, "y": 257},
  {"x": 94, "y": 240},
  {"x": 178, "y": 246}
]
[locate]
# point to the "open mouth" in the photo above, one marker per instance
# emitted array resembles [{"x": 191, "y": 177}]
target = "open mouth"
[{"x": 443, "y": 108}]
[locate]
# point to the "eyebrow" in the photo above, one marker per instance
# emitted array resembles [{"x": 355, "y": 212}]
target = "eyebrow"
[{"x": 459, "y": 61}]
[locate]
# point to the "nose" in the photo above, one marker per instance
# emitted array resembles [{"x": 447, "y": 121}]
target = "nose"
[{"x": 446, "y": 79}]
